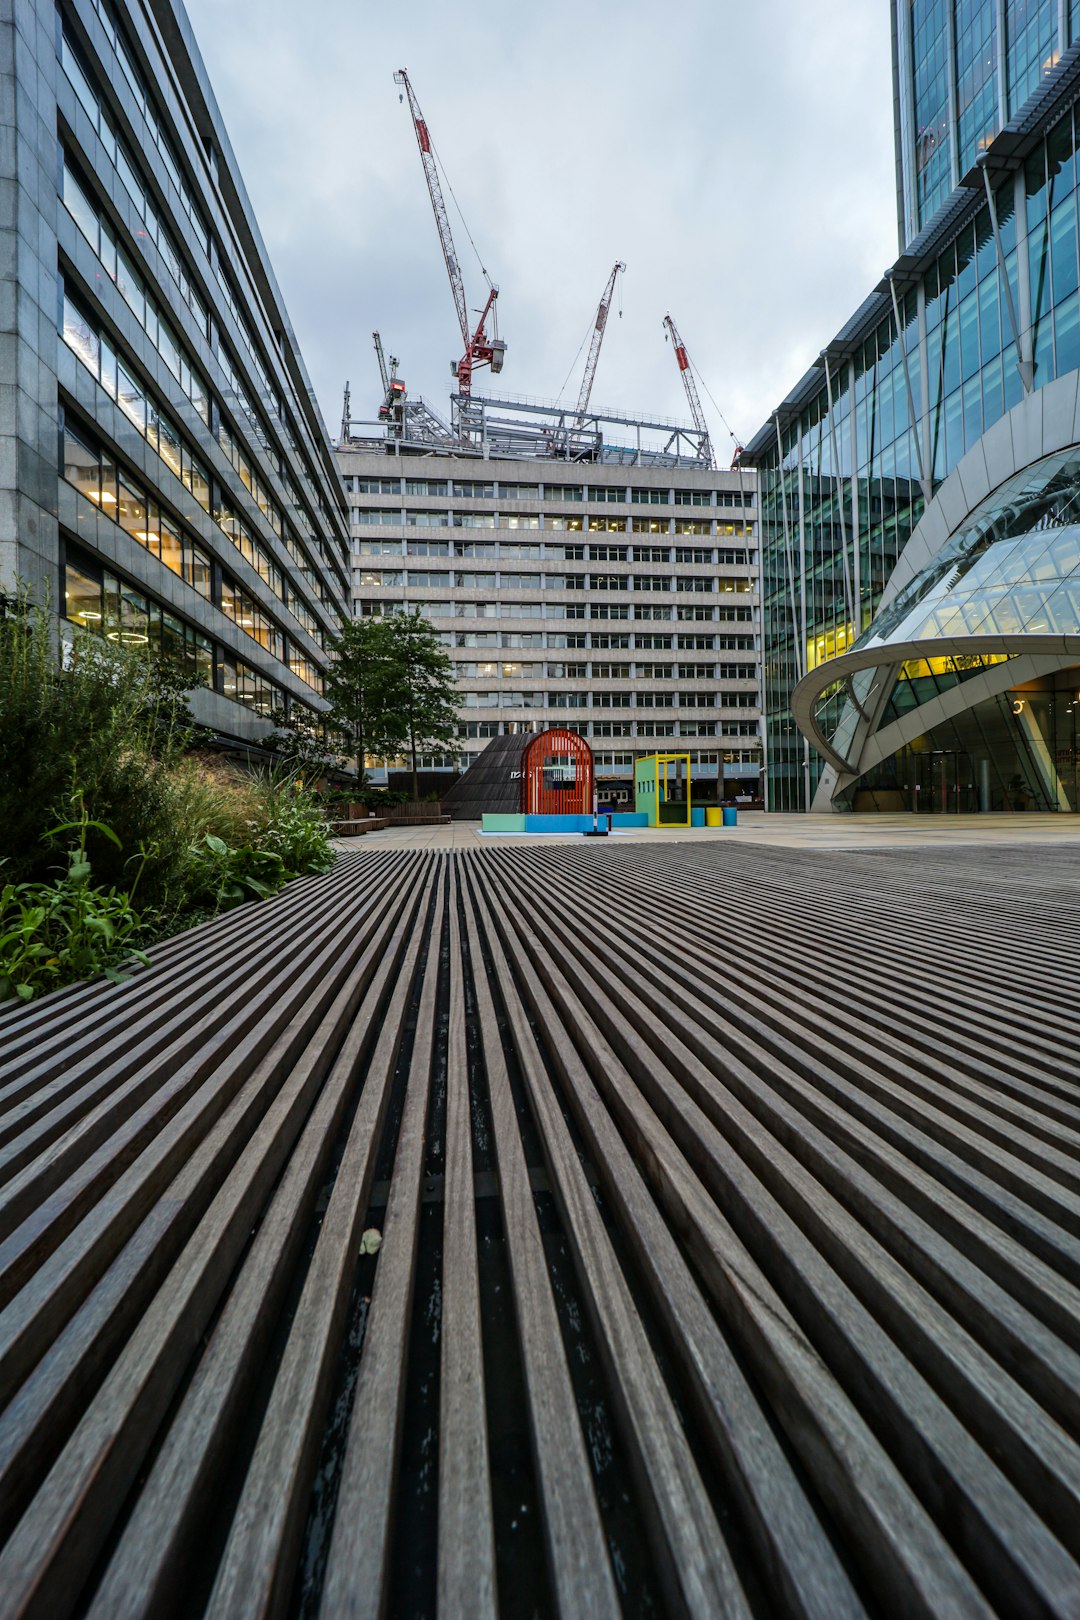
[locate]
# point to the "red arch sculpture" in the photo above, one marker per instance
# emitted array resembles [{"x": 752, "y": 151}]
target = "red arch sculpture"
[{"x": 557, "y": 777}]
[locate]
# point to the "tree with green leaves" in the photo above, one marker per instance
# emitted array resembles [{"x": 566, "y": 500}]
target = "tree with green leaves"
[
  {"x": 418, "y": 690},
  {"x": 356, "y": 687}
]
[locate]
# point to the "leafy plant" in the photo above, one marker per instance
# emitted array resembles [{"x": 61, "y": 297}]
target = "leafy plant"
[
  {"x": 296, "y": 830},
  {"x": 52, "y": 934},
  {"x": 227, "y": 876}
]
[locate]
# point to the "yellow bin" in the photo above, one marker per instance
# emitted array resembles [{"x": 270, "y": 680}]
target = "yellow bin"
[{"x": 714, "y": 816}]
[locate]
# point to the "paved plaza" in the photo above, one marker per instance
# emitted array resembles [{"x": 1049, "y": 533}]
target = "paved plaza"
[{"x": 780, "y": 831}]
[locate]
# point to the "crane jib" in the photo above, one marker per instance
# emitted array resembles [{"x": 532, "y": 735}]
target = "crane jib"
[{"x": 422, "y": 135}]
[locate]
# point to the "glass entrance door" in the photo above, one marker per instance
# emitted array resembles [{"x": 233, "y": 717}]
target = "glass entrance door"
[{"x": 945, "y": 783}]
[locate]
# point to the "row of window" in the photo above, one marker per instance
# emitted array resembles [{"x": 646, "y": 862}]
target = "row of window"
[
  {"x": 91, "y": 468},
  {"x": 609, "y": 700},
  {"x": 441, "y": 579},
  {"x": 516, "y": 670},
  {"x": 459, "y": 489},
  {"x": 599, "y": 639},
  {"x": 97, "y": 601},
  {"x": 133, "y": 289},
  {"x": 94, "y": 472},
  {"x": 93, "y": 348},
  {"x": 236, "y": 452},
  {"x": 699, "y": 556},
  {"x": 96, "y": 475},
  {"x": 670, "y": 727},
  {"x": 417, "y": 518},
  {"x": 683, "y": 612},
  {"x": 84, "y": 212},
  {"x": 119, "y": 154}
]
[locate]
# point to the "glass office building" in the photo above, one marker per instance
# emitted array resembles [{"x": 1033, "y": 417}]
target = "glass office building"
[
  {"x": 962, "y": 70},
  {"x": 166, "y": 478},
  {"x": 907, "y": 664}
]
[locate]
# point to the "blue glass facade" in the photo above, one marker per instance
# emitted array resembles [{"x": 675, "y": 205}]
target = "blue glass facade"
[
  {"x": 962, "y": 70},
  {"x": 1032, "y": 47},
  {"x": 976, "y": 79},
  {"x": 922, "y": 373}
]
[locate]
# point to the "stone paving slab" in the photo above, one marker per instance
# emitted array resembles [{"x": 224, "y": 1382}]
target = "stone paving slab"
[{"x": 781, "y": 831}]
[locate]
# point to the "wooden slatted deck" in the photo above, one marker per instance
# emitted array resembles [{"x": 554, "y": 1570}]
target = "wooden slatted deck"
[{"x": 727, "y": 1204}]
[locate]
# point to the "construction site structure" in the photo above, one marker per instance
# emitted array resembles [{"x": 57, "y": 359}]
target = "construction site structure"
[{"x": 519, "y": 427}]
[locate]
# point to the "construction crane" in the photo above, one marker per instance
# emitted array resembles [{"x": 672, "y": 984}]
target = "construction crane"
[
  {"x": 480, "y": 350},
  {"x": 393, "y": 386},
  {"x": 597, "y": 339},
  {"x": 691, "y": 390}
]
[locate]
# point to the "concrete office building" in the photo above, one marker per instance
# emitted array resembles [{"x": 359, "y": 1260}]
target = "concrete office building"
[
  {"x": 165, "y": 477},
  {"x": 617, "y": 596},
  {"x": 920, "y": 485}
]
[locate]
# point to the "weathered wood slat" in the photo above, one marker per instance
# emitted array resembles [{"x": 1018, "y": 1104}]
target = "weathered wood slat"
[
  {"x": 781, "y": 1234},
  {"x": 577, "y": 1555},
  {"x": 357, "y": 1567},
  {"x": 466, "y": 1580}
]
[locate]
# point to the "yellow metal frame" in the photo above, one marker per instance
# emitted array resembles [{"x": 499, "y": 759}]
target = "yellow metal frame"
[{"x": 661, "y": 798}]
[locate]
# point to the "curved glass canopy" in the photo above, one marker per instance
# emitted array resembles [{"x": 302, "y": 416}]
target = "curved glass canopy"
[
  {"x": 1012, "y": 569},
  {"x": 1007, "y": 570}
]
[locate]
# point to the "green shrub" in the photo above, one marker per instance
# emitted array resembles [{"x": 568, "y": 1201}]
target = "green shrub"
[
  {"x": 291, "y": 823},
  {"x": 222, "y": 877},
  {"x": 98, "y": 743},
  {"x": 52, "y": 934},
  {"x": 95, "y": 729},
  {"x": 382, "y": 798}
]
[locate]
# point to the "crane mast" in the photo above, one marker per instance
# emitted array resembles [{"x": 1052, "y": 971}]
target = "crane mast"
[
  {"x": 381, "y": 358},
  {"x": 597, "y": 340},
  {"x": 690, "y": 386},
  {"x": 480, "y": 350}
]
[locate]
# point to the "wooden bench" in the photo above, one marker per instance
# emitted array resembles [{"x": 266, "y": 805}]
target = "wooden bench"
[
  {"x": 419, "y": 813},
  {"x": 357, "y": 828},
  {"x": 436, "y": 1236}
]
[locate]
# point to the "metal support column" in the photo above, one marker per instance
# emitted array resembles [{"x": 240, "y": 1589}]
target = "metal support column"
[
  {"x": 856, "y": 529},
  {"x": 838, "y": 485}
]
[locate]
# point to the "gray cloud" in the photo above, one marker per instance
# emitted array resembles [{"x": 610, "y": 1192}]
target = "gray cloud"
[{"x": 738, "y": 157}]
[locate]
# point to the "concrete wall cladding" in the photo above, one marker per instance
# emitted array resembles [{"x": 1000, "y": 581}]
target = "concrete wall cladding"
[{"x": 28, "y": 300}]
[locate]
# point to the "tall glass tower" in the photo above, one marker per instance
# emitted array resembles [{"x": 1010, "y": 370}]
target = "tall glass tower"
[
  {"x": 962, "y": 71},
  {"x": 919, "y": 487}
]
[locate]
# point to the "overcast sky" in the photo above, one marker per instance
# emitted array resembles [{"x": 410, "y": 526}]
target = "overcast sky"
[{"x": 737, "y": 156}]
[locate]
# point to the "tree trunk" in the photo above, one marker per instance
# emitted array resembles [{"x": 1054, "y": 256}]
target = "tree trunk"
[{"x": 415, "y": 779}]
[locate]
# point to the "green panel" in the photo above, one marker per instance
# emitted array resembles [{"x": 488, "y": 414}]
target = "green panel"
[
  {"x": 645, "y": 787},
  {"x": 493, "y": 822}
]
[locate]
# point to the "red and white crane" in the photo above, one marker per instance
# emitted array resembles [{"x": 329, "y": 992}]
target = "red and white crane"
[
  {"x": 690, "y": 385},
  {"x": 480, "y": 350},
  {"x": 597, "y": 338}
]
